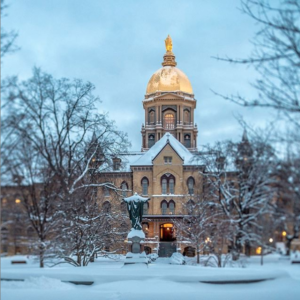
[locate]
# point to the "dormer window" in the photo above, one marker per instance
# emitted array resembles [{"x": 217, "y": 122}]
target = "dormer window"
[
  {"x": 116, "y": 163},
  {"x": 168, "y": 160}
]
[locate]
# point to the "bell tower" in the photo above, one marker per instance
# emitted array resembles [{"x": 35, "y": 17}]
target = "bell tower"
[{"x": 169, "y": 105}]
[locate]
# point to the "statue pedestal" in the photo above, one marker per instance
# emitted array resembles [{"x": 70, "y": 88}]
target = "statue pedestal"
[{"x": 136, "y": 254}]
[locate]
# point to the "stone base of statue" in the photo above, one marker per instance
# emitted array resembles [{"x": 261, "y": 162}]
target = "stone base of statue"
[{"x": 136, "y": 253}]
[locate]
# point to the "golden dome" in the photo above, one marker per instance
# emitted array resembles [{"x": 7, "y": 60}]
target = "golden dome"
[{"x": 169, "y": 79}]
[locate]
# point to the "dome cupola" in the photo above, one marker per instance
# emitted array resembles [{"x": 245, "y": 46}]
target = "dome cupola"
[{"x": 169, "y": 78}]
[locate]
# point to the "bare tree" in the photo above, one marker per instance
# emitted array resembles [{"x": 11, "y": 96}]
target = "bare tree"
[
  {"x": 276, "y": 56},
  {"x": 240, "y": 176},
  {"x": 90, "y": 229},
  {"x": 195, "y": 227},
  {"x": 288, "y": 204},
  {"x": 54, "y": 122},
  {"x": 7, "y": 37}
]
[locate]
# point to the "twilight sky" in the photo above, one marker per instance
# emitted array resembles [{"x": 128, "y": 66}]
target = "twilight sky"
[{"x": 119, "y": 44}]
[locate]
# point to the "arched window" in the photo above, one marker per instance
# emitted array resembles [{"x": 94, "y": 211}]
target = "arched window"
[
  {"x": 164, "y": 186},
  {"x": 124, "y": 188},
  {"x": 145, "y": 208},
  {"x": 186, "y": 116},
  {"x": 171, "y": 186},
  {"x": 164, "y": 207},
  {"x": 167, "y": 184},
  {"x": 106, "y": 191},
  {"x": 151, "y": 117},
  {"x": 106, "y": 206},
  {"x": 169, "y": 121},
  {"x": 190, "y": 206},
  {"x": 191, "y": 183},
  {"x": 123, "y": 207},
  {"x": 151, "y": 140},
  {"x": 145, "y": 184},
  {"x": 172, "y": 207},
  {"x": 187, "y": 140}
]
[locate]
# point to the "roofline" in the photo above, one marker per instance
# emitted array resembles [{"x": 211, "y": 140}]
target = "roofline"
[{"x": 168, "y": 142}]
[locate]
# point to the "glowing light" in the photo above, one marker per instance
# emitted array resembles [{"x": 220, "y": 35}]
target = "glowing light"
[
  {"x": 258, "y": 250},
  {"x": 271, "y": 240},
  {"x": 207, "y": 240},
  {"x": 283, "y": 233},
  {"x": 18, "y": 201}
]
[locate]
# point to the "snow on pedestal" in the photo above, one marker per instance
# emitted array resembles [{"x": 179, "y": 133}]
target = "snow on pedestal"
[{"x": 134, "y": 232}]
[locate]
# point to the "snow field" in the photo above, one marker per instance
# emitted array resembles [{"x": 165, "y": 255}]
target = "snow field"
[{"x": 160, "y": 280}]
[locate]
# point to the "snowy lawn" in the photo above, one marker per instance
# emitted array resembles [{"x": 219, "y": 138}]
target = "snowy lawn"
[{"x": 159, "y": 281}]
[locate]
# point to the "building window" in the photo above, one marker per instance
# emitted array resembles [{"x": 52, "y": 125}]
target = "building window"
[
  {"x": 116, "y": 163},
  {"x": 164, "y": 186},
  {"x": 171, "y": 207},
  {"x": 186, "y": 117},
  {"x": 4, "y": 233},
  {"x": 106, "y": 191},
  {"x": 168, "y": 160},
  {"x": 124, "y": 188},
  {"x": 106, "y": 207},
  {"x": 191, "y": 183},
  {"x": 151, "y": 140},
  {"x": 169, "y": 121},
  {"x": 151, "y": 117},
  {"x": 164, "y": 207},
  {"x": 4, "y": 215},
  {"x": 145, "y": 208},
  {"x": 187, "y": 140},
  {"x": 171, "y": 186},
  {"x": 145, "y": 186},
  {"x": 167, "y": 184}
]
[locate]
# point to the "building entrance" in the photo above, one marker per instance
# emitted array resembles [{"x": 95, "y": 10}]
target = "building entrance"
[{"x": 167, "y": 232}]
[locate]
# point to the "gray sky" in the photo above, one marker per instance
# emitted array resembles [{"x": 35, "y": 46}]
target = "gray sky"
[{"x": 119, "y": 44}]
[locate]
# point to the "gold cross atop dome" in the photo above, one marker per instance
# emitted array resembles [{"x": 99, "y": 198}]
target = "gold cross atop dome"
[{"x": 169, "y": 57}]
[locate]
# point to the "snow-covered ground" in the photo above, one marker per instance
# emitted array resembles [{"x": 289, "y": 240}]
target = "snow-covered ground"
[{"x": 160, "y": 280}]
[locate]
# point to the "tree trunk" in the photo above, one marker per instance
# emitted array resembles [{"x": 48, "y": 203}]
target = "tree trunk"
[
  {"x": 262, "y": 255},
  {"x": 79, "y": 259},
  {"x": 198, "y": 254},
  {"x": 42, "y": 252}
]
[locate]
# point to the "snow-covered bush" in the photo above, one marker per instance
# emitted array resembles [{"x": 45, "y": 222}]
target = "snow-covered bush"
[
  {"x": 177, "y": 259},
  {"x": 152, "y": 256}
]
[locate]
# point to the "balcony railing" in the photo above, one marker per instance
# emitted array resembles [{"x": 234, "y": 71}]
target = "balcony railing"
[{"x": 169, "y": 126}]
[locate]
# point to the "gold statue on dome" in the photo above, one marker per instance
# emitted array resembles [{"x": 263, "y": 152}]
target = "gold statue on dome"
[{"x": 169, "y": 45}]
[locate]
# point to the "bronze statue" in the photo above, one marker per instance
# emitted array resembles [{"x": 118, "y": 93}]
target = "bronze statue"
[{"x": 135, "y": 206}]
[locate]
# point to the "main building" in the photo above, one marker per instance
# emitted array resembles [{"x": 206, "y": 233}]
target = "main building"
[{"x": 165, "y": 170}]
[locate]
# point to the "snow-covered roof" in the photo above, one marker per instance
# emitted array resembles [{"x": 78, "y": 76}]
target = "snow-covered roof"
[
  {"x": 183, "y": 152},
  {"x": 126, "y": 161}
]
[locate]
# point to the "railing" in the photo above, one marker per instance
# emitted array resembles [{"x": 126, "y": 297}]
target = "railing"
[{"x": 169, "y": 126}]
